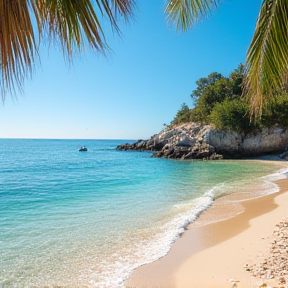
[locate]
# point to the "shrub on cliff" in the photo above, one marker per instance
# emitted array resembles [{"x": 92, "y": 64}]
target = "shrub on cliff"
[
  {"x": 276, "y": 111},
  {"x": 183, "y": 115},
  {"x": 232, "y": 115}
]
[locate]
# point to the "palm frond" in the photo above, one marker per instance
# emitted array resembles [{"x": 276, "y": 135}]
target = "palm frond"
[
  {"x": 123, "y": 8},
  {"x": 184, "y": 13},
  {"x": 267, "y": 56},
  {"x": 17, "y": 44},
  {"x": 70, "y": 23}
]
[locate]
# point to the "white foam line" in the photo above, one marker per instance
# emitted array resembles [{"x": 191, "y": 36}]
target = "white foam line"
[
  {"x": 158, "y": 248},
  {"x": 281, "y": 174}
]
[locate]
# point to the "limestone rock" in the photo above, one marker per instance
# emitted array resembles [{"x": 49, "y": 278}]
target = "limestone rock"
[{"x": 193, "y": 141}]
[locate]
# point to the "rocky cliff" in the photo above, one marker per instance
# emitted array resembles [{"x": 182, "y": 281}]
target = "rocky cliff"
[{"x": 193, "y": 141}]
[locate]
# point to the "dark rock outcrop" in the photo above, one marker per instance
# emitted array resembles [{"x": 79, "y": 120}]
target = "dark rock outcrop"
[{"x": 193, "y": 141}]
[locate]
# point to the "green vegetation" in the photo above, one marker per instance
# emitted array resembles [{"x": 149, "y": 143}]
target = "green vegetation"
[{"x": 218, "y": 100}]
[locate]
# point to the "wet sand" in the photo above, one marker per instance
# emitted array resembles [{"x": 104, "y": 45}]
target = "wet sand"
[{"x": 217, "y": 255}]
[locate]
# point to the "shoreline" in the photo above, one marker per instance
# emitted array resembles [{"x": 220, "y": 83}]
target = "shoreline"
[{"x": 211, "y": 254}]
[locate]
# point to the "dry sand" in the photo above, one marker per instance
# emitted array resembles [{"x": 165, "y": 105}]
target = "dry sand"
[{"x": 217, "y": 255}]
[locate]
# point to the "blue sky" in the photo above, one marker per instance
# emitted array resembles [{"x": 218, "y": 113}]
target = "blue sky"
[{"x": 139, "y": 86}]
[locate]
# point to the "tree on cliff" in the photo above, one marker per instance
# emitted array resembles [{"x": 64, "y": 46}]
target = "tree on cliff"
[
  {"x": 72, "y": 23},
  {"x": 183, "y": 115},
  {"x": 216, "y": 94}
]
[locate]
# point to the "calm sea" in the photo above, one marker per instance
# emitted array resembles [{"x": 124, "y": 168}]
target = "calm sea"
[{"x": 87, "y": 219}]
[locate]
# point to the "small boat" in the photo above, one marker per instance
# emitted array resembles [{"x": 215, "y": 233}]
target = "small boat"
[{"x": 83, "y": 148}]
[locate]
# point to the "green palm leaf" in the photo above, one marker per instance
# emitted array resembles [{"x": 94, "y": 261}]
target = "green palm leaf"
[
  {"x": 267, "y": 57},
  {"x": 72, "y": 23},
  {"x": 17, "y": 44},
  {"x": 184, "y": 13}
]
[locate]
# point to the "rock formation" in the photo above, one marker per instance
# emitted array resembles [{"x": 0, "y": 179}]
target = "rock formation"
[{"x": 194, "y": 141}]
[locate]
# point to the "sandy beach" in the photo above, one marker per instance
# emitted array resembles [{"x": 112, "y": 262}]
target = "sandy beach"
[{"x": 221, "y": 254}]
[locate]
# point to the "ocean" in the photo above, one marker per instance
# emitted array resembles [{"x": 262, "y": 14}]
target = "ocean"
[{"x": 88, "y": 219}]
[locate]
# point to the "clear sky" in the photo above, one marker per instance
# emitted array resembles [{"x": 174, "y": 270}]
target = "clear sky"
[{"x": 142, "y": 83}]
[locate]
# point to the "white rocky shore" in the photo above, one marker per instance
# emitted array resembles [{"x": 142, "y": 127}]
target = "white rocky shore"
[
  {"x": 195, "y": 141},
  {"x": 274, "y": 266}
]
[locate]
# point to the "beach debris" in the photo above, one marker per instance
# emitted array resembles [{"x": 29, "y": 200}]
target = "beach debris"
[
  {"x": 234, "y": 282},
  {"x": 275, "y": 265}
]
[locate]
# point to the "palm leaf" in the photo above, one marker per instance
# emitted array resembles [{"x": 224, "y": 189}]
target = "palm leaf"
[
  {"x": 17, "y": 44},
  {"x": 70, "y": 23},
  {"x": 73, "y": 22},
  {"x": 267, "y": 56},
  {"x": 184, "y": 13}
]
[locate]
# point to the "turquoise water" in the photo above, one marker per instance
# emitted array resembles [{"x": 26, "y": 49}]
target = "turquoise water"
[{"x": 87, "y": 219}]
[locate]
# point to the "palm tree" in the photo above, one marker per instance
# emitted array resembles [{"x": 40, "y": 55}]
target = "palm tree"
[
  {"x": 70, "y": 23},
  {"x": 266, "y": 69}
]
